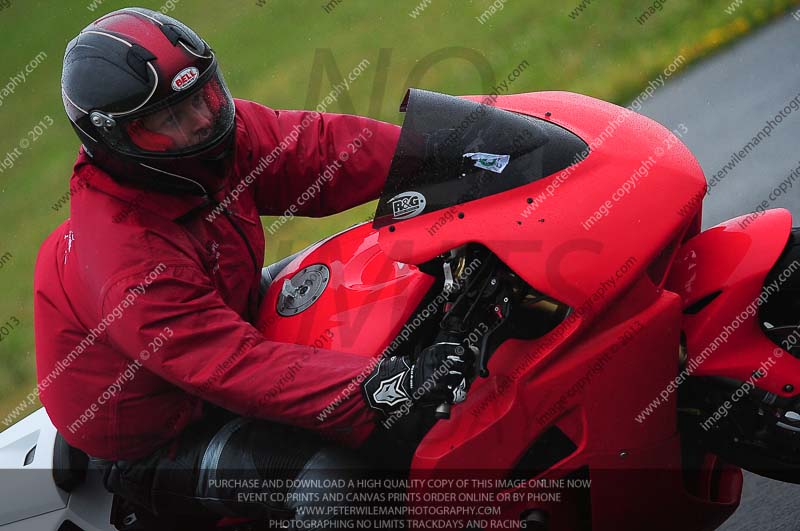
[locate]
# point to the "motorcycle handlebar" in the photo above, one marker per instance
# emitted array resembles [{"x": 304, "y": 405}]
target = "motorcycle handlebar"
[{"x": 443, "y": 411}]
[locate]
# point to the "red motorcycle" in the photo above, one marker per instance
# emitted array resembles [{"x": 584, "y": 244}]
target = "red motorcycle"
[{"x": 628, "y": 363}]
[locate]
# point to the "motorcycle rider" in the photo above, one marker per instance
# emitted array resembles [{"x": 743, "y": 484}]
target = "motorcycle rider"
[{"x": 145, "y": 296}]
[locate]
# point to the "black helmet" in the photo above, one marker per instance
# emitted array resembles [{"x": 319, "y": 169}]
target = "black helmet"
[{"x": 146, "y": 97}]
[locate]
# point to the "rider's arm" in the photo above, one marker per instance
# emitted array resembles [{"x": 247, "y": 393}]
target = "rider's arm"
[
  {"x": 211, "y": 352},
  {"x": 315, "y": 164}
]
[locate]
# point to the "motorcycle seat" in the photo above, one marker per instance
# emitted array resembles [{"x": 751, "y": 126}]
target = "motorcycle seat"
[
  {"x": 270, "y": 272},
  {"x": 69, "y": 465}
]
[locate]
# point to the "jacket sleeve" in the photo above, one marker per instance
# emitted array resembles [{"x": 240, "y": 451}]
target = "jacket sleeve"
[
  {"x": 209, "y": 351},
  {"x": 316, "y": 164}
]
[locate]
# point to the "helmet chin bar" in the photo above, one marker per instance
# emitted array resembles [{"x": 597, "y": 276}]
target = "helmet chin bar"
[
  {"x": 205, "y": 192},
  {"x": 199, "y": 175}
]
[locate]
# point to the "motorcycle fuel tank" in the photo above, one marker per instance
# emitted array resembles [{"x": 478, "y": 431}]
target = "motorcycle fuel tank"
[{"x": 343, "y": 293}]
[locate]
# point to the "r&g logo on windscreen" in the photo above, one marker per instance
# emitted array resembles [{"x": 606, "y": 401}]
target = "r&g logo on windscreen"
[{"x": 407, "y": 205}]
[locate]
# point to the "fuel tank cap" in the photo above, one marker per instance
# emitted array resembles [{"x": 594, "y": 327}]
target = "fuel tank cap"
[{"x": 303, "y": 289}]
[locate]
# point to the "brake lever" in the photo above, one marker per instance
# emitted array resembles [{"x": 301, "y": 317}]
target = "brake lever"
[{"x": 502, "y": 310}]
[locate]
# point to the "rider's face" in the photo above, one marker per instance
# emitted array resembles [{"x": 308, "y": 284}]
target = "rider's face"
[{"x": 187, "y": 123}]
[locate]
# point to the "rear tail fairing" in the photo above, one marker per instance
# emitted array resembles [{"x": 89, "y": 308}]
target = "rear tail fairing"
[
  {"x": 30, "y": 500},
  {"x": 738, "y": 282}
]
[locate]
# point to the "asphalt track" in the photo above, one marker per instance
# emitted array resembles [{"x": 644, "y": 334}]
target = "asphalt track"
[{"x": 724, "y": 102}]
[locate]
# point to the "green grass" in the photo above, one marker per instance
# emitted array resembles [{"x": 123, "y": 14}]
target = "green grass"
[{"x": 267, "y": 55}]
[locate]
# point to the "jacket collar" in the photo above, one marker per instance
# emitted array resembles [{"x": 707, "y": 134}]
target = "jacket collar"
[{"x": 166, "y": 205}]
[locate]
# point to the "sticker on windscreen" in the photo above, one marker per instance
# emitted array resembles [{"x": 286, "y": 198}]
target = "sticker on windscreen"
[
  {"x": 489, "y": 161},
  {"x": 407, "y": 205}
]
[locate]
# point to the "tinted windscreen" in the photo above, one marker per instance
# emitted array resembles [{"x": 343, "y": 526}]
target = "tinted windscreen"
[{"x": 453, "y": 150}]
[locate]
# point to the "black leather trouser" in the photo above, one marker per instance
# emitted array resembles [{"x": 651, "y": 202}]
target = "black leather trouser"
[{"x": 232, "y": 466}]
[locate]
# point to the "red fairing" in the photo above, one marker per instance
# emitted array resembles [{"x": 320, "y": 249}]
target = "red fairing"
[
  {"x": 725, "y": 338},
  {"x": 365, "y": 304},
  {"x": 623, "y": 335},
  {"x": 554, "y": 246},
  {"x": 592, "y": 376},
  {"x": 171, "y": 288}
]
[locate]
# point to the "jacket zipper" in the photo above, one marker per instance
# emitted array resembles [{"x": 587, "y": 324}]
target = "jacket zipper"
[{"x": 238, "y": 229}]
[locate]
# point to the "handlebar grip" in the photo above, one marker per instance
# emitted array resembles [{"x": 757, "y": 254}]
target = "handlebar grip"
[{"x": 443, "y": 411}]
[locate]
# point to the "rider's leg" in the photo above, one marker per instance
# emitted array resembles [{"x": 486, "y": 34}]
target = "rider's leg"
[{"x": 239, "y": 467}]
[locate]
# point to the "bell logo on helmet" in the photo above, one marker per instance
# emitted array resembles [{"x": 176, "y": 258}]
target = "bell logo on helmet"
[{"x": 185, "y": 78}]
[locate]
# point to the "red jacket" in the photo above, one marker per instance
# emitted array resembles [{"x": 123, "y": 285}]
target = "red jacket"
[{"x": 143, "y": 307}]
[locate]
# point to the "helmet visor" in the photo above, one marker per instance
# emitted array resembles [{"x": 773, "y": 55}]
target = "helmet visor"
[{"x": 193, "y": 123}]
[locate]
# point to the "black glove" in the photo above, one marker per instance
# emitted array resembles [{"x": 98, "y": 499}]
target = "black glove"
[{"x": 439, "y": 375}]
